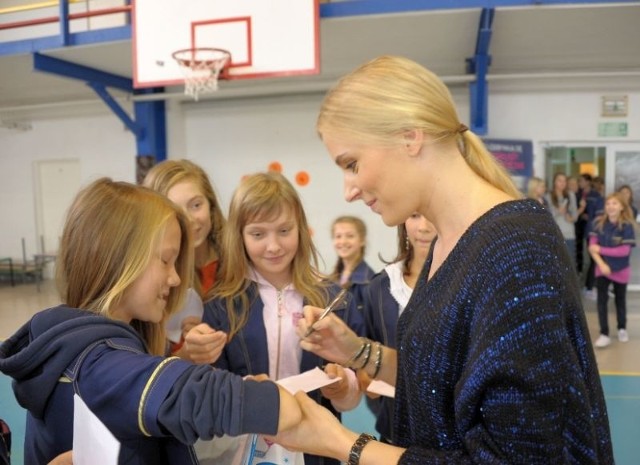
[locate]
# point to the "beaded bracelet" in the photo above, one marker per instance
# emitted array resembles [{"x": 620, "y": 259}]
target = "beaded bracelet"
[
  {"x": 378, "y": 362},
  {"x": 367, "y": 354},
  {"x": 357, "y": 354}
]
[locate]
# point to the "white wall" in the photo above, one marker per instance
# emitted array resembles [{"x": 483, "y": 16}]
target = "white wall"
[
  {"x": 98, "y": 139},
  {"x": 230, "y": 138},
  {"x": 556, "y": 117}
]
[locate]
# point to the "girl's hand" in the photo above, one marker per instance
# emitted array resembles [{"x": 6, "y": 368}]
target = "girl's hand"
[
  {"x": 365, "y": 381},
  {"x": 605, "y": 269},
  {"x": 338, "y": 390},
  {"x": 203, "y": 344},
  {"x": 331, "y": 339},
  {"x": 188, "y": 324}
]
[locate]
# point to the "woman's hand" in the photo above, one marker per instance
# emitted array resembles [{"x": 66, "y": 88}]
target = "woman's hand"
[
  {"x": 331, "y": 339},
  {"x": 605, "y": 269},
  {"x": 318, "y": 433}
]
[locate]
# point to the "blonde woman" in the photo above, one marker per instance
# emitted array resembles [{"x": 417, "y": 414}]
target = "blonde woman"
[
  {"x": 494, "y": 362},
  {"x": 124, "y": 266}
]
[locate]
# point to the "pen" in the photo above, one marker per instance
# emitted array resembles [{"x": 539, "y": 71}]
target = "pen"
[{"x": 331, "y": 307}]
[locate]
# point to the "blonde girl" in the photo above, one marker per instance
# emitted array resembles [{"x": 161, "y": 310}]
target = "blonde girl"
[
  {"x": 536, "y": 189},
  {"x": 124, "y": 266},
  {"x": 188, "y": 186},
  {"x": 610, "y": 241},
  {"x": 269, "y": 272}
]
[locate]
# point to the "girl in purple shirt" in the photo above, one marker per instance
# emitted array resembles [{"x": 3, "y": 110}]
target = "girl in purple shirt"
[{"x": 610, "y": 242}]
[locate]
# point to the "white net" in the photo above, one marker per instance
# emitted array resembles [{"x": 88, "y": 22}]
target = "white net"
[{"x": 201, "y": 68}]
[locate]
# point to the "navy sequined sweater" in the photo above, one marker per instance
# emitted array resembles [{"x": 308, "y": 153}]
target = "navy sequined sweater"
[{"x": 495, "y": 363}]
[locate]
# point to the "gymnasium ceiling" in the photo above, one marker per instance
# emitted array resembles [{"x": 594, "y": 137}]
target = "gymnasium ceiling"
[{"x": 532, "y": 47}]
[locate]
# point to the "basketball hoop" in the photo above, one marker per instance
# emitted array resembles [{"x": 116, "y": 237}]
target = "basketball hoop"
[{"x": 201, "y": 68}]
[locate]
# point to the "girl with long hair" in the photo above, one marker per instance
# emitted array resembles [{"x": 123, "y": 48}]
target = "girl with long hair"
[
  {"x": 269, "y": 272},
  {"x": 188, "y": 186}
]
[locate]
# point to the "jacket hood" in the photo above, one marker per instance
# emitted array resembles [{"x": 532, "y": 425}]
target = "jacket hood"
[{"x": 37, "y": 355}]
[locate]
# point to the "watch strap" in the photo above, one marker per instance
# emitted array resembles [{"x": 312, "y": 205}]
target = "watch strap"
[{"x": 356, "y": 449}]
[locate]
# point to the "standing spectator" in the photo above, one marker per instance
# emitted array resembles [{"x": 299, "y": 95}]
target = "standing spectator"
[
  {"x": 188, "y": 186},
  {"x": 351, "y": 271},
  {"x": 627, "y": 195},
  {"x": 594, "y": 208},
  {"x": 389, "y": 293},
  {"x": 572, "y": 185},
  {"x": 584, "y": 186},
  {"x": 562, "y": 204},
  {"x": 536, "y": 190},
  {"x": 610, "y": 242}
]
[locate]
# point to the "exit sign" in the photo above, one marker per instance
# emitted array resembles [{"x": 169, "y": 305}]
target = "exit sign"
[{"x": 612, "y": 130}]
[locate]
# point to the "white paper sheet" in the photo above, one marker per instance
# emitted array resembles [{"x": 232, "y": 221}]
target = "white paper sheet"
[
  {"x": 307, "y": 381},
  {"x": 380, "y": 387},
  {"x": 93, "y": 443},
  {"x": 192, "y": 307}
]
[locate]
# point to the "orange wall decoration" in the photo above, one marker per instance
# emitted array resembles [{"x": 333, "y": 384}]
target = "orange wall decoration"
[{"x": 302, "y": 178}]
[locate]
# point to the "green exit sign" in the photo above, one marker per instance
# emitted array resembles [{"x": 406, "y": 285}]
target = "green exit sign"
[{"x": 612, "y": 130}]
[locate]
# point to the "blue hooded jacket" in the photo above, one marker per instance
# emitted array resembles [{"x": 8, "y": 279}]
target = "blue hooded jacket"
[{"x": 154, "y": 406}]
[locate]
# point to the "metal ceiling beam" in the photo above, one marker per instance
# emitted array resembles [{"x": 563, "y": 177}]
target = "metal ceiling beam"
[
  {"x": 479, "y": 65},
  {"x": 374, "y": 7},
  {"x": 149, "y": 125},
  {"x": 68, "y": 69}
]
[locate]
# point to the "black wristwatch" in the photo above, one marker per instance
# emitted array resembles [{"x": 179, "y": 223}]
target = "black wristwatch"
[{"x": 356, "y": 449}]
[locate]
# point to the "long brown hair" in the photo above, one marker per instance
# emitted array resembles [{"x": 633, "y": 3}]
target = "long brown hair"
[
  {"x": 361, "y": 229},
  {"x": 263, "y": 197},
  {"x": 405, "y": 252},
  {"x": 111, "y": 232},
  {"x": 555, "y": 200},
  {"x": 163, "y": 176}
]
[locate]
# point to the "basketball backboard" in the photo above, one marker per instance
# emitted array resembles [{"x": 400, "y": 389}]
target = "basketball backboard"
[{"x": 266, "y": 38}]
